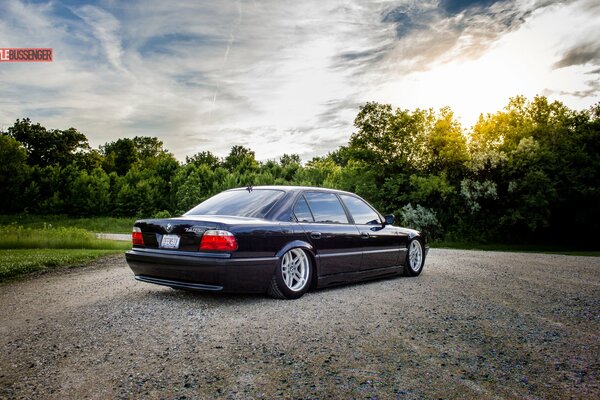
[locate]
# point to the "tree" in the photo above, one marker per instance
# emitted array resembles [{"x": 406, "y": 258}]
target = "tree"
[
  {"x": 48, "y": 147},
  {"x": 240, "y": 159},
  {"x": 90, "y": 194},
  {"x": 120, "y": 155},
  {"x": 192, "y": 185},
  {"x": 204, "y": 157},
  {"x": 290, "y": 165},
  {"x": 14, "y": 172},
  {"x": 529, "y": 171},
  {"x": 446, "y": 146},
  {"x": 390, "y": 139},
  {"x": 148, "y": 147}
]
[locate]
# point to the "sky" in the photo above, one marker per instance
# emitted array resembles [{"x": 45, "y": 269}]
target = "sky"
[{"x": 286, "y": 76}]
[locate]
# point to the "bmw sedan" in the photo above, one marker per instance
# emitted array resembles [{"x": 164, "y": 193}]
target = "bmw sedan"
[{"x": 282, "y": 240}]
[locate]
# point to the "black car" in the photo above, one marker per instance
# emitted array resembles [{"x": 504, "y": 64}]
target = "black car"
[{"x": 277, "y": 239}]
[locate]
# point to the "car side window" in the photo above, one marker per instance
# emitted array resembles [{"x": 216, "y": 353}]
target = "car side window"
[
  {"x": 302, "y": 212},
  {"x": 326, "y": 208},
  {"x": 361, "y": 212}
]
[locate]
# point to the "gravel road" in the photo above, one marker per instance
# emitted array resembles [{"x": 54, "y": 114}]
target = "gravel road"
[{"x": 473, "y": 325}]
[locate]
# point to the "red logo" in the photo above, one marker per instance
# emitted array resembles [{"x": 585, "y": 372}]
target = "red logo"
[{"x": 25, "y": 55}]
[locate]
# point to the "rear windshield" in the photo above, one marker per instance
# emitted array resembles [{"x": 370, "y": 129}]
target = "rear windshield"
[{"x": 254, "y": 203}]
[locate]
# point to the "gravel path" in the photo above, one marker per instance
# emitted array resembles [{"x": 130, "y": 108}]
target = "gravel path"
[
  {"x": 473, "y": 325},
  {"x": 115, "y": 236}
]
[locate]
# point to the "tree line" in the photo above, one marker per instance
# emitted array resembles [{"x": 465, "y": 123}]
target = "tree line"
[{"x": 528, "y": 172}]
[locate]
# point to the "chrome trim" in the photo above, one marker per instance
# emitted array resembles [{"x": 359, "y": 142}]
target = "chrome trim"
[
  {"x": 382, "y": 251},
  {"x": 253, "y": 259},
  {"x": 146, "y": 250},
  {"x": 356, "y": 253},
  {"x": 350, "y": 253},
  {"x": 136, "y": 251}
]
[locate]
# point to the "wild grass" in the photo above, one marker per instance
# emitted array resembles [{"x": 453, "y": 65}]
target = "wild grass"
[
  {"x": 25, "y": 249},
  {"x": 93, "y": 224},
  {"x": 49, "y": 237},
  {"x": 22, "y": 261}
]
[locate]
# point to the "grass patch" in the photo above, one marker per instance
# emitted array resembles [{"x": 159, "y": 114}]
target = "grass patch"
[
  {"x": 93, "y": 224},
  {"x": 526, "y": 248},
  {"x": 18, "y": 262},
  {"x": 27, "y": 249},
  {"x": 19, "y": 237}
]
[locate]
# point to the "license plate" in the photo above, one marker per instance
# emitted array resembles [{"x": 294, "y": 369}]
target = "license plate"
[{"x": 170, "y": 242}]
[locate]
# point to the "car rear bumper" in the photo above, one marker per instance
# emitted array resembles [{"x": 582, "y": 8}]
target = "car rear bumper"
[{"x": 202, "y": 271}]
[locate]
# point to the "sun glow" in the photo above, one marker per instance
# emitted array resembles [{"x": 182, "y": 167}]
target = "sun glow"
[{"x": 517, "y": 64}]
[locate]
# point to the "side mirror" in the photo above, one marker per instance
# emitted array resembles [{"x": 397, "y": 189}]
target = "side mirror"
[{"x": 389, "y": 219}]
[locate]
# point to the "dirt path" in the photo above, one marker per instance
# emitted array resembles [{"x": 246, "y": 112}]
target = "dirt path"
[{"x": 473, "y": 325}]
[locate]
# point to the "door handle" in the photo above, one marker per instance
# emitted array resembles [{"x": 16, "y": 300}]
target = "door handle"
[
  {"x": 315, "y": 235},
  {"x": 365, "y": 235}
]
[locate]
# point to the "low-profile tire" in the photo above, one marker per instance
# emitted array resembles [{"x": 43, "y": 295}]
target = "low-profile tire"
[
  {"x": 415, "y": 258},
  {"x": 293, "y": 275}
]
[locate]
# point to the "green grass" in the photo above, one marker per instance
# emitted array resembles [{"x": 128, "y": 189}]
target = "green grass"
[
  {"x": 18, "y": 262},
  {"x": 527, "y": 248},
  {"x": 28, "y": 249},
  {"x": 93, "y": 224},
  {"x": 19, "y": 237}
]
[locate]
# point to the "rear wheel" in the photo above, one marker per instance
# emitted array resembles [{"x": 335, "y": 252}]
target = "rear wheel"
[
  {"x": 414, "y": 258},
  {"x": 293, "y": 275}
]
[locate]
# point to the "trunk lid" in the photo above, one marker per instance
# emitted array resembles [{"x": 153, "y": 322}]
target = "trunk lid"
[{"x": 189, "y": 230}]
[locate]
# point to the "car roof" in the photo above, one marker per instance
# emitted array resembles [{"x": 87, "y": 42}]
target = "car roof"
[{"x": 295, "y": 188}]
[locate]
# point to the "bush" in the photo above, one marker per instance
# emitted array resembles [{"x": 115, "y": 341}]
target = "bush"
[
  {"x": 422, "y": 219},
  {"x": 162, "y": 214}
]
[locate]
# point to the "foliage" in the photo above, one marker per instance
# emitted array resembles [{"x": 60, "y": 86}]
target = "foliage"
[
  {"x": 420, "y": 218},
  {"x": 162, "y": 214},
  {"x": 473, "y": 192},
  {"x": 13, "y": 173},
  {"x": 526, "y": 172},
  {"x": 48, "y": 147}
]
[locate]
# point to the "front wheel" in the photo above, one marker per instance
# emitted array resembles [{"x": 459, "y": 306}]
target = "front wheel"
[
  {"x": 414, "y": 258},
  {"x": 293, "y": 275}
]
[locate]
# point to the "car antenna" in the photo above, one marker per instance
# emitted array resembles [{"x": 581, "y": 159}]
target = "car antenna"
[{"x": 249, "y": 188}]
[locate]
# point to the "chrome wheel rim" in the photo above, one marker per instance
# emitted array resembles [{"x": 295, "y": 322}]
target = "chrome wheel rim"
[
  {"x": 295, "y": 269},
  {"x": 415, "y": 255}
]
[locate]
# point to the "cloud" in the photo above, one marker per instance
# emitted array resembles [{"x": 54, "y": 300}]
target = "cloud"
[
  {"x": 457, "y": 6},
  {"x": 583, "y": 53},
  {"x": 431, "y": 32},
  {"x": 409, "y": 18},
  {"x": 593, "y": 88},
  {"x": 106, "y": 29},
  {"x": 279, "y": 77}
]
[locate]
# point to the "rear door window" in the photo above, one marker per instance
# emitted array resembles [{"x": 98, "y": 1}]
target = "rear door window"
[
  {"x": 361, "y": 212},
  {"x": 302, "y": 212},
  {"x": 326, "y": 208}
]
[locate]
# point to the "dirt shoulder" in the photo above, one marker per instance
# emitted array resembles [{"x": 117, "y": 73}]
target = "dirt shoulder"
[{"x": 473, "y": 325}]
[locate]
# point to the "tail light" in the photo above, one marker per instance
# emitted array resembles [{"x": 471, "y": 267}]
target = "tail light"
[
  {"x": 218, "y": 240},
  {"x": 136, "y": 236}
]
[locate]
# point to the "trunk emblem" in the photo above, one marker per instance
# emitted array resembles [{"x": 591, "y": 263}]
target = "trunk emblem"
[
  {"x": 169, "y": 227},
  {"x": 198, "y": 230}
]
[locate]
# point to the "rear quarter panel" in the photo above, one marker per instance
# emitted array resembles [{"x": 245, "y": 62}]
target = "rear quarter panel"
[{"x": 264, "y": 240}]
